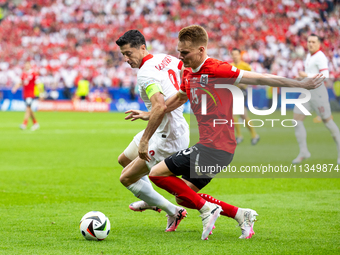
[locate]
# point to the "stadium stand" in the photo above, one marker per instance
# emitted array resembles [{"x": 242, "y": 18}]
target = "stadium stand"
[{"x": 67, "y": 40}]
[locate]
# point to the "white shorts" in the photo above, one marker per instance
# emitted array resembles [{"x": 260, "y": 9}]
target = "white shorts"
[
  {"x": 29, "y": 101},
  {"x": 159, "y": 147},
  {"x": 319, "y": 103}
]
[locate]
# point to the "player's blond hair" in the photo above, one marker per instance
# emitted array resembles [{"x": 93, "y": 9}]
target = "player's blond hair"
[{"x": 194, "y": 34}]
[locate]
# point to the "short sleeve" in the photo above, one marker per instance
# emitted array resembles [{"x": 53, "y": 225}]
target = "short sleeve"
[
  {"x": 230, "y": 72},
  {"x": 323, "y": 63},
  {"x": 146, "y": 80},
  {"x": 323, "y": 66}
]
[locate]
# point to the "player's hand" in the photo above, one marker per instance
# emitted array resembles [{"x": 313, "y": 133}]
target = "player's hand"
[
  {"x": 303, "y": 74},
  {"x": 143, "y": 150},
  {"x": 13, "y": 90},
  {"x": 137, "y": 114},
  {"x": 314, "y": 82}
]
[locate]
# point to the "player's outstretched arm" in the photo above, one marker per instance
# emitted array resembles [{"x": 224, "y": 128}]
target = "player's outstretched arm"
[
  {"x": 172, "y": 103},
  {"x": 157, "y": 113},
  {"x": 278, "y": 81}
]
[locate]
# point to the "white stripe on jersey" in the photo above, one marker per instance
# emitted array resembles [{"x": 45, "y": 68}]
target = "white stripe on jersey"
[{"x": 239, "y": 77}]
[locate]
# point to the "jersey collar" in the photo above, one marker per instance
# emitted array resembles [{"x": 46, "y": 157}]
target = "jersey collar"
[
  {"x": 198, "y": 68},
  {"x": 146, "y": 58},
  {"x": 315, "y": 52}
]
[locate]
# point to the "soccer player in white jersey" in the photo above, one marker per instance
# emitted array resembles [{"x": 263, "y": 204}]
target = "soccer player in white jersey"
[
  {"x": 158, "y": 79},
  {"x": 316, "y": 62}
]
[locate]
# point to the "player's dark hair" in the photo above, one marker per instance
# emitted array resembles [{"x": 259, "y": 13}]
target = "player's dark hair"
[
  {"x": 132, "y": 37},
  {"x": 319, "y": 39},
  {"x": 239, "y": 51}
]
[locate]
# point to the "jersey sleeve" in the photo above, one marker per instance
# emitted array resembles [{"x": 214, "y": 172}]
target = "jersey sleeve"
[
  {"x": 226, "y": 70},
  {"x": 323, "y": 66},
  {"x": 147, "y": 79}
]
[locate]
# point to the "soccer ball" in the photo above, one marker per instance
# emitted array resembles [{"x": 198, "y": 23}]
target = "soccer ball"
[{"x": 94, "y": 226}]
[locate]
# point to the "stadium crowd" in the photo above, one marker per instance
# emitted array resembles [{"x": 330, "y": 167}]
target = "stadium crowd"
[{"x": 67, "y": 40}]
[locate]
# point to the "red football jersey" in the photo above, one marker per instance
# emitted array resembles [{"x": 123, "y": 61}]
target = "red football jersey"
[
  {"x": 219, "y": 102},
  {"x": 28, "y": 81}
]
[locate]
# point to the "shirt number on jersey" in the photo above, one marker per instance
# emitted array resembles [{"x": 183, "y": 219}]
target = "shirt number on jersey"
[
  {"x": 194, "y": 96},
  {"x": 173, "y": 79}
]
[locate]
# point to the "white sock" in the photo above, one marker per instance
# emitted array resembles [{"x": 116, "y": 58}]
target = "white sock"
[
  {"x": 301, "y": 136},
  {"x": 239, "y": 215},
  {"x": 205, "y": 207},
  {"x": 146, "y": 179},
  {"x": 144, "y": 191},
  {"x": 333, "y": 128}
]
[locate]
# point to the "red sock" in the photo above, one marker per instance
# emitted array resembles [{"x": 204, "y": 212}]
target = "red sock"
[
  {"x": 187, "y": 204},
  {"x": 35, "y": 121},
  {"x": 25, "y": 122},
  {"x": 175, "y": 185},
  {"x": 228, "y": 210}
]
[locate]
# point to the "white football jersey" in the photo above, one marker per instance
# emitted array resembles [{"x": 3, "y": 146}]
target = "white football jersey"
[
  {"x": 314, "y": 64},
  {"x": 164, "y": 70}
]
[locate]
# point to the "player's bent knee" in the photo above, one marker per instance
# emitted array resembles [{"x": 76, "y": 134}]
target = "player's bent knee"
[
  {"x": 124, "y": 180},
  {"x": 160, "y": 170},
  {"x": 178, "y": 201},
  {"x": 123, "y": 160},
  {"x": 326, "y": 120},
  {"x": 153, "y": 172}
]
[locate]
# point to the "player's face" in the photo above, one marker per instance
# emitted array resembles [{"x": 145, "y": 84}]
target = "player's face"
[
  {"x": 313, "y": 44},
  {"x": 27, "y": 66},
  {"x": 236, "y": 56},
  {"x": 133, "y": 56},
  {"x": 190, "y": 54}
]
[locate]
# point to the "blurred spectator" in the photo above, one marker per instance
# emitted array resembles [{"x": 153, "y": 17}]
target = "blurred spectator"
[
  {"x": 1, "y": 14},
  {"x": 336, "y": 88},
  {"x": 64, "y": 38},
  {"x": 39, "y": 90},
  {"x": 83, "y": 89},
  {"x": 132, "y": 92}
]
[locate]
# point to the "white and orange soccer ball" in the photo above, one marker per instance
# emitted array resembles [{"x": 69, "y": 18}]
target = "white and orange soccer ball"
[{"x": 94, "y": 226}]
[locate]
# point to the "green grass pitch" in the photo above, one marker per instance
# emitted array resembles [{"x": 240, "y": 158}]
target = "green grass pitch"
[{"x": 51, "y": 177}]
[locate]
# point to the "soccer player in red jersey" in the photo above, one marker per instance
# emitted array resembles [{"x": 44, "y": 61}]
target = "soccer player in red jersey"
[
  {"x": 217, "y": 143},
  {"x": 28, "y": 80}
]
